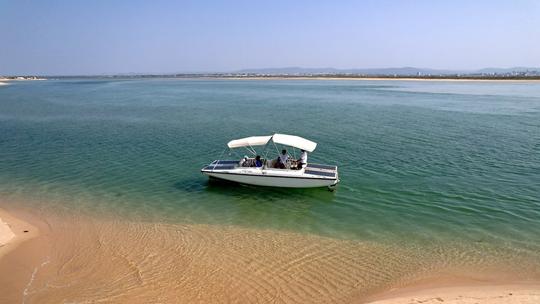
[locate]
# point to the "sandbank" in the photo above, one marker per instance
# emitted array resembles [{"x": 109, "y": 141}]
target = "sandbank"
[
  {"x": 14, "y": 231},
  {"x": 21, "y": 249},
  {"x": 4, "y": 81},
  {"x": 380, "y": 79},
  {"x": 522, "y": 293},
  {"x": 6, "y": 234},
  {"x": 77, "y": 257}
]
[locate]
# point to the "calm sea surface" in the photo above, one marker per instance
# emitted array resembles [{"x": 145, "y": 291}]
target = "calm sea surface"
[{"x": 419, "y": 162}]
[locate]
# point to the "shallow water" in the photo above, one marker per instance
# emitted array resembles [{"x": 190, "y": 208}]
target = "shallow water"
[
  {"x": 422, "y": 164},
  {"x": 115, "y": 261}
]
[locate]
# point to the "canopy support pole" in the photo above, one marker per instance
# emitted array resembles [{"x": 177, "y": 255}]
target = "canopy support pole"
[{"x": 217, "y": 163}]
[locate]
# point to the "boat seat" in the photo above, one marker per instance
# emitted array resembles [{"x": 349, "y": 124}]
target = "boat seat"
[
  {"x": 270, "y": 163},
  {"x": 250, "y": 162}
]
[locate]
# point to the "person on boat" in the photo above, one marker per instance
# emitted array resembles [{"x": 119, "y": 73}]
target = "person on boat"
[
  {"x": 282, "y": 159},
  {"x": 302, "y": 161},
  {"x": 258, "y": 162}
]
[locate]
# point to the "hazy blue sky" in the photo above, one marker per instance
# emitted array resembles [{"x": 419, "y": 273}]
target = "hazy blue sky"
[{"x": 95, "y": 37}]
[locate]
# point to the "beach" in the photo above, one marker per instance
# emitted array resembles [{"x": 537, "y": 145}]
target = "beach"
[
  {"x": 21, "y": 250},
  {"x": 74, "y": 258},
  {"x": 13, "y": 232},
  {"x": 5, "y": 81},
  {"x": 525, "y": 293}
]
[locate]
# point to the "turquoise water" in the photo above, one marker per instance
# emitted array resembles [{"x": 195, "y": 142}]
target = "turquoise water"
[{"x": 419, "y": 162}]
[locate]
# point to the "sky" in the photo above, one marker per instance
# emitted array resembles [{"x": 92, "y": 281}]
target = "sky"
[{"x": 108, "y": 37}]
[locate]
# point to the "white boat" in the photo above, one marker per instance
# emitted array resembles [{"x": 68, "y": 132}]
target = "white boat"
[{"x": 244, "y": 171}]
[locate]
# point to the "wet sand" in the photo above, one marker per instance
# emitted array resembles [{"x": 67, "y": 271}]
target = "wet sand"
[
  {"x": 13, "y": 232},
  {"x": 79, "y": 258},
  {"x": 6, "y": 234},
  {"x": 524, "y": 293},
  {"x": 21, "y": 247}
]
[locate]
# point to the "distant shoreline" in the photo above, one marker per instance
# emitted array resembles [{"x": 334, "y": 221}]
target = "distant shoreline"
[
  {"x": 301, "y": 77},
  {"x": 383, "y": 78},
  {"x": 4, "y": 81}
]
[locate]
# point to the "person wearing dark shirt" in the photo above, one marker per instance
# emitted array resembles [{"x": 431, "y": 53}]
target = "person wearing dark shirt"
[{"x": 258, "y": 162}]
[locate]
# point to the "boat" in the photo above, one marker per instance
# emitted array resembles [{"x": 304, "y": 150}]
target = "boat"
[{"x": 293, "y": 174}]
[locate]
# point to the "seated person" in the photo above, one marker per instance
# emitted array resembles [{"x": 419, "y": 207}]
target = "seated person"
[
  {"x": 248, "y": 162},
  {"x": 302, "y": 161},
  {"x": 282, "y": 160},
  {"x": 258, "y": 162}
]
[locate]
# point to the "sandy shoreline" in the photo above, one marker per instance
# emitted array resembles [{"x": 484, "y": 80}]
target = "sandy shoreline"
[
  {"x": 13, "y": 232},
  {"x": 6, "y": 234},
  {"x": 19, "y": 256},
  {"x": 378, "y": 79},
  {"x": 128, "y": 262},
  {"x": 4, "y": 81},
  {"x": 523, "y": 293}
]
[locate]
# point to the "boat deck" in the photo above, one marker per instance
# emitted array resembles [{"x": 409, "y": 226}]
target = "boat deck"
[
  {"x": 327, "y": 171},
  {"x": 222, "y": 165},
  {"x": 321, "y": 170}
]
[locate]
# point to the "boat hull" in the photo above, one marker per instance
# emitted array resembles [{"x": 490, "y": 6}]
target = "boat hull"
[{"x": 273, "y": 181}]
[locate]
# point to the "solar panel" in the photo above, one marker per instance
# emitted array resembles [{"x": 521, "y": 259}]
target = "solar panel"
[
  {"x": 225, "y": 167},
  {"x": 218, "y": 167},
  {"x": 220, "y": 162},
  {"x": 321, "y": 173},
  {"x": 321, "y": 166}
]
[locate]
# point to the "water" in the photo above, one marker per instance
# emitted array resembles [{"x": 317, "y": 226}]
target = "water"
[{"x": 419, "y": 162}]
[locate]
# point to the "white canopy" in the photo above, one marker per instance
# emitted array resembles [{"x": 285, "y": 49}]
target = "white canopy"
[
  {"x": 249, "y": 141},
  {"x": 294, "y": 141},
  {"x": 283, "y": 139}
]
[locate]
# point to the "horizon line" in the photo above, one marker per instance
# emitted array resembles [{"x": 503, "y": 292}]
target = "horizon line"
[{"x": 253, "y": 70}]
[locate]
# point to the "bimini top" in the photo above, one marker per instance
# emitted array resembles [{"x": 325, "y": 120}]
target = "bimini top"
[
  {"x": 283, "y": 139},
  {"x": 249, "y": 141},
  {"x": 294, "y": 141}
]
